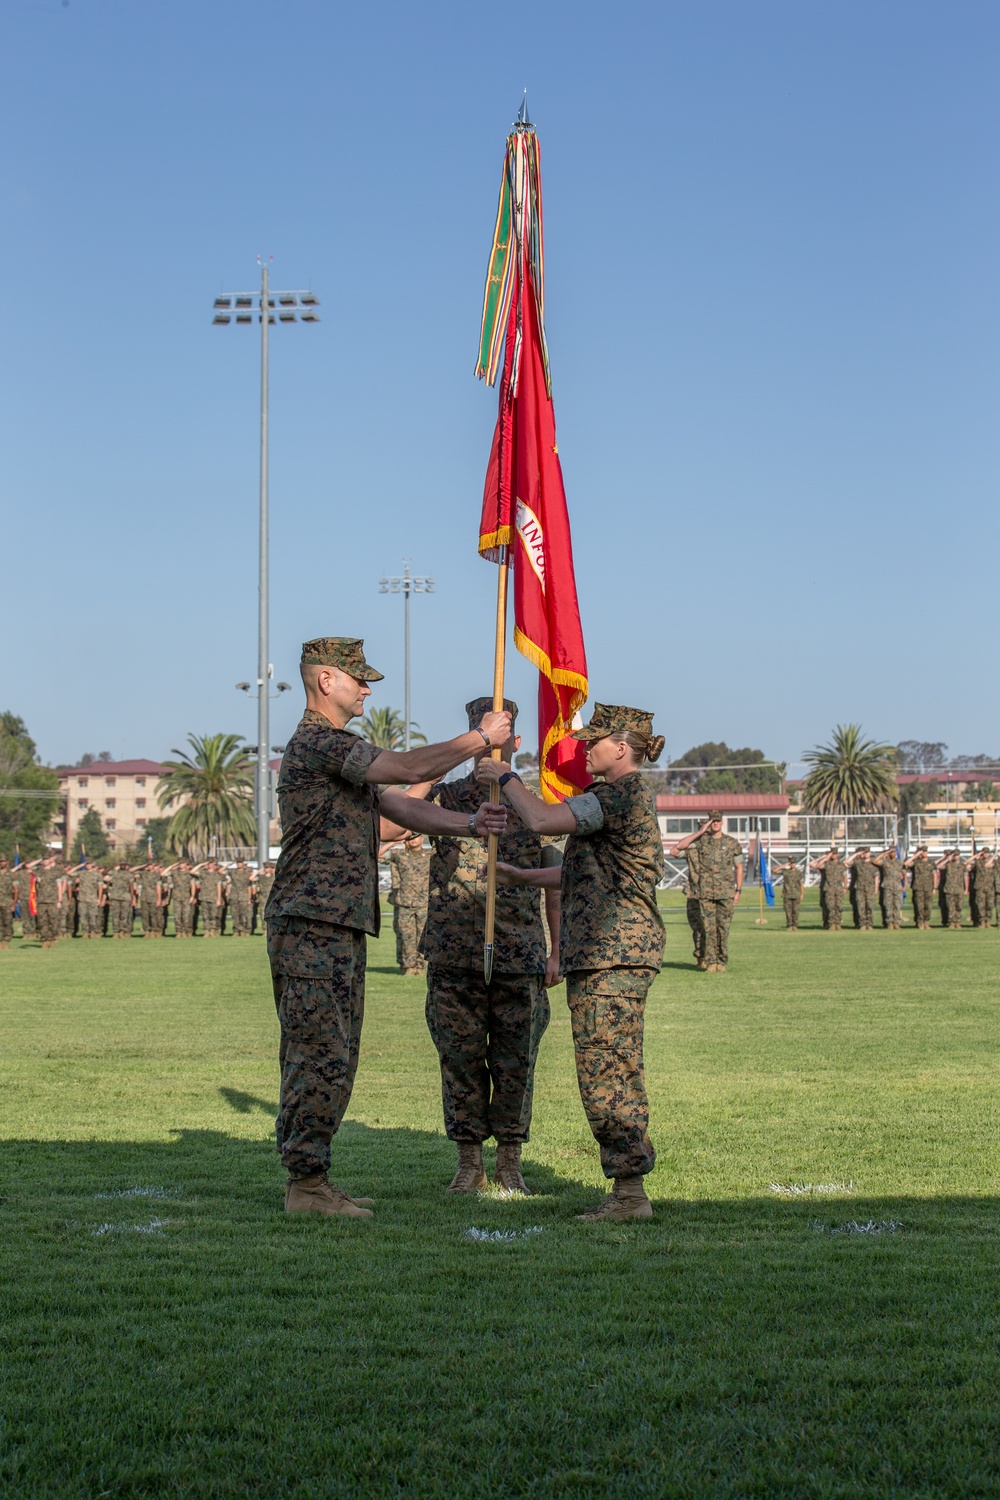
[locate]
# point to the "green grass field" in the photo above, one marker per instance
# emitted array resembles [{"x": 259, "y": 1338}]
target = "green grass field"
[{"x": 168, "y": 1331}]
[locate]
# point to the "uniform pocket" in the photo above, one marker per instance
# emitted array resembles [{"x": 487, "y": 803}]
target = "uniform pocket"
[{"x": 311, "y": 953}]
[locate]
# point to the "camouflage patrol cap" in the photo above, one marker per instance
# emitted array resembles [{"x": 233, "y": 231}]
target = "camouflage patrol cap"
[
  {"x": 609, "y": 718},
  {"x": 715, "y": 816},
  {"x": 343, "y": 651},
  {"x": 921, "y": 848},
  {"x": 479, "y": 707}
]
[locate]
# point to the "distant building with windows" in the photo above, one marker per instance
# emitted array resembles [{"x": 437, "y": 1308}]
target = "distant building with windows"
[
  {"x": 123, "y": 793},
  {"x": 743, "y": 813}
]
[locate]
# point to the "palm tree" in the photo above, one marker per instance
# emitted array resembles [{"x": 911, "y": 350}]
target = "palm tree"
[
  {"x": 217, "y": 780},
  {"x": 850, "y": 775},
  {"x": 385, "y": 727}
]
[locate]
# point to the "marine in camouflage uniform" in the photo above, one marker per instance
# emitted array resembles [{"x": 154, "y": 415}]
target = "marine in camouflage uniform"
[
  {"x": 890, "y": 889},
  {"x": 150, "y": 899},
  {"x": 792, "y": 882},
  {"x": 486, "y": 1034},
  {"x": 121, "y": 892},
  {"x": 50, "y": 886},
  {"x": 951, "y": 886},
  {"x": 981, "y": 889},
  {"x": 210, "y": 883},
  {"x": 180, "y": 897},
  {"x": 923, "y": 879},
  {"x": 262, "y": 890},
  {"x": 864, "y": 884},
  {"x": 325, "y": 901},
  {"x": 995, "y": 867},
  {"x": 240, "y": 900},
  {"x": 89, "y": 890},
  {"x": 611, "y": 937},
  {"x": 831, "y": 889},
  {"x": 410, "y": 869},
  {"x": 6, "y": 903},
  {"x": 67, "y": 924},
  {"x": 720, "y": 881},
  {"x": 692, "y": 905}
]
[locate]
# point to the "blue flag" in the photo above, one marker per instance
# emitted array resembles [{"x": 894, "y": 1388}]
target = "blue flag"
[{"x": 765, "y": 877}]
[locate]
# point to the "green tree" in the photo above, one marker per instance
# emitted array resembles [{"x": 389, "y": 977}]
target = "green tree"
[
  {"x": 749, "y": 773},
  {"x": 90, "y": 836},
  {"x": 850, "y": 775},
  {"x": 915, "y": 795},
  {"x": 29, "y": 791},
  {"x": 158, "y": 829},
  {"x": 981, "y": 791},
  {"x": 217, "y": 780},
  {"x": 385, "y": 727}
]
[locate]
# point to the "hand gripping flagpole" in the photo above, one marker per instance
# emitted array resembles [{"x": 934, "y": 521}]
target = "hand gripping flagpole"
[{"x": 496, "y": 753}]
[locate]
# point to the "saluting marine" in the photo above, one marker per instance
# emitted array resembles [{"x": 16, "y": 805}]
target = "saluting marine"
[
  {"x": 923, "y": 882},
  {"x": 863, "y": 888},
  {"x": 952, "y": 886},
  {"x": 832, "y": 884},
  {"x": 720, "y": 881},
  {"x": 7, "y": 902},
  {"x": 240, "y": 878},
  {"x": 890, "y": 887}
]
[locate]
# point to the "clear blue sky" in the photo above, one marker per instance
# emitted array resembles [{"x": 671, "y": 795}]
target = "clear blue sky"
[{"x": 772, "y": 250}]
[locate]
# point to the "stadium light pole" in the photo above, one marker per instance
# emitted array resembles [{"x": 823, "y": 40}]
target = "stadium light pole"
[
  {"x": 406, "y": 586},
  {"x": 267, "y": 307}
]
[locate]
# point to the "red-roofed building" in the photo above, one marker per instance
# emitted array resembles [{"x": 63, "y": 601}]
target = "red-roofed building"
[{"x": 743, "y": 813}]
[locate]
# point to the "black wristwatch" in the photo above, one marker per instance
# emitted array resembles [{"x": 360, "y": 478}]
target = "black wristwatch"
[{"x": 508, "y": 776}]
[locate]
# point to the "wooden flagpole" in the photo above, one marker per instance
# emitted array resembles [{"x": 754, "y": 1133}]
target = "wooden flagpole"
[{"x": 496, "y": 752}]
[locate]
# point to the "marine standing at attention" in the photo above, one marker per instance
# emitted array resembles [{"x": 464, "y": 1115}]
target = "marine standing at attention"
[
  {"x": 240, "y": 878},
  {"x": 410, "y": 868},
  {"x": 89, "y": 894},
  {"x": 720, "y": 881},
  {"x": 611, "y": 934},
  {"x": 325, "y": 897},
  {"x": 487, "y": 1035},
  {"x": 792, "y": 881}
]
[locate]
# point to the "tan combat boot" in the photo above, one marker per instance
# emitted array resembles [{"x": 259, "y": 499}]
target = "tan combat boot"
[
  {"x": 627, "y": 1200},
  {"x": 315, "y": 1195},
  {"x": 508, "y": 1168},
  {"x": 470, "y": 1177}
]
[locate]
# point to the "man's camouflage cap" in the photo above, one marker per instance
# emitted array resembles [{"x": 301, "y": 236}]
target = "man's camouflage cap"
[
  {"x": 343, "y": 651},
  {"x": 609, "y": 718},
  {"x": 482, "y": 706}
]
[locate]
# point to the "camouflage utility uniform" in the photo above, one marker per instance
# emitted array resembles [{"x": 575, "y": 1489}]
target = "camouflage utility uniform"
[
  {"x": 692, "y": 905},
  {"x": 952, "y": 888},
  {"x": 792, "y": 882},
  {"x": 6, "y": 904},
  {"x": 239, "y": 899},
  {"x": 717, "y": 858},
  {"x": 612, "y": 946},
  {"x": 23, "y": 875},
  {"x": 120, "y": 902},
  {"x": 323, "y": 902},
  {"x": 149, "y": 911},
  {"x": 408, "y": 898},
  {"x": 890, "y": 894},
  {"x": 209, "y": 905},
  {"x": 922, "y": 890},
  {"x": 981, "y": 891},
  {"x": 47, "y": 895},
  {"x": 262, "y": 888},
  {"x": 831, "y": 894},
  {"x": 486, "y": 1035},
  {"x": 67, "y": 924},
  {"x": 863, "y": 881},
  {"x": 180, "y": 899},
  {"x": 89, "y": 886}
]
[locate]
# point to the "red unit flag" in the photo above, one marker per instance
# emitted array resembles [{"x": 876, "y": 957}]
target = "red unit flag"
[{"x": 525, "y": 522}]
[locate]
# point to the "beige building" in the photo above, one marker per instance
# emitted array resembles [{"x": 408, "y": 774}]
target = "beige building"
[{"x": 122, "y": 791}]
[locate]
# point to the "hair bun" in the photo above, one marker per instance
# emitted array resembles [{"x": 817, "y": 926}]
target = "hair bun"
[{"x": 655, "y": 747}]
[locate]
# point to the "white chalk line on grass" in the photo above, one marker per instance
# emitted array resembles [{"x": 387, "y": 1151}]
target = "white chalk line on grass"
[
  {"x": 140, "y": 1192},
  {"x": 500, "y": 1236},
  {"x": 871, "y": 1226},
  {"x": 810, "y": 1189},
  {"x": 155, "y": 1226}
]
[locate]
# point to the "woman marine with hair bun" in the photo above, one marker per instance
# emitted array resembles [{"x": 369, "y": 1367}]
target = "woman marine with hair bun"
[{"x": 612, "y": 934}]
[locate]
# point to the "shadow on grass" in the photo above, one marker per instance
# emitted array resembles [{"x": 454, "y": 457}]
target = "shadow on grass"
[{"x": 245, "y": 1104}]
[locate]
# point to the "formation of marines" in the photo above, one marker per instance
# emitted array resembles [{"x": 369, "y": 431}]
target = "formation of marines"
[
  {"x": 870, "y": 880},
  {"x": 58, "y": 900},
  {"x": 342, "y": 800}
]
